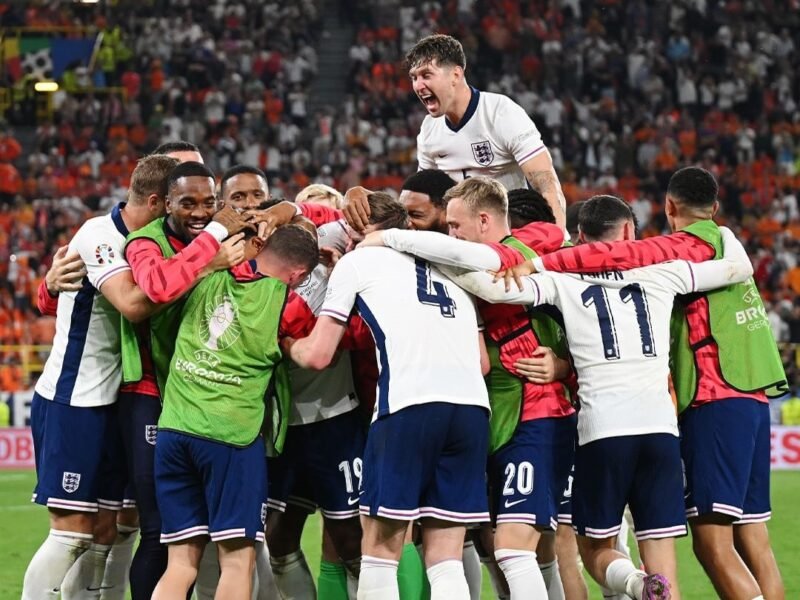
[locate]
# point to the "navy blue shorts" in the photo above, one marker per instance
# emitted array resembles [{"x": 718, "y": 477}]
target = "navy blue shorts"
[
  {"x": 320, "y": 466},
  {"x": 643, "y": 471},
  {"x": 726, "y": 454},
  {"x": 138, "y": 421},
  {"x": 565, "y": 503},
  {"x": 209, "y": 488},
  {"x": 80, "y": 462},
  {"x": 427, "y": 460},
  {"x": 528, "y": 475}
]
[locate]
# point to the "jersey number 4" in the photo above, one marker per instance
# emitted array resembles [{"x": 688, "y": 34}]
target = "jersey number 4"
[
  {"x": 433, "y": 293},
  {"x": 595, "y": 295}
]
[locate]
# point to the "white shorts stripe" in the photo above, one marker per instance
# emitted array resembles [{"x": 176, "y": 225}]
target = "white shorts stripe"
[
  {"x": 726, "y": 509},
  {"x": 517, "y": 518},
  {"x": 754, "y": 518},
  {"x": 601, "y": 533},
  {"x": 663, "y": 532},
  {"x": 340, "y": 514},
  {"x": 228, "y": 534},
  {"x": 184, "y": 534},
  {"x": 72, "y": 505}
]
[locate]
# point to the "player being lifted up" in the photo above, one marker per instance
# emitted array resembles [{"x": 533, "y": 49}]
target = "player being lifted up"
[
  {"x": 618, "y": 332},
  {"x": 426, "y": 427},
  {"x": 469, "y": 132}
]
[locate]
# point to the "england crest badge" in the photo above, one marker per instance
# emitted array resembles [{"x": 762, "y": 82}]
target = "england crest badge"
[
  {"x": 483, "y": 153},
  {"x": 150, "y": 432},
  {"x": 70, "y": 481}
]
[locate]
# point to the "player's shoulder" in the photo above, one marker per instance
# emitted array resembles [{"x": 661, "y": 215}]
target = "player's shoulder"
[
  {"x": 496, "y": 103},
  {"x": 98, "y": 230}
]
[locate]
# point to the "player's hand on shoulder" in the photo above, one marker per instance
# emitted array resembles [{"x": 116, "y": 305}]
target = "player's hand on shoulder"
[
  {"x": 356, "y": 207},
  {"x": 374, "y": 238},
  {"x": 269, "y": 219},
  {"x": 66, "y": 272},
  {"x": 232, "y": 220},
  {"x": 515, "y": 274}
]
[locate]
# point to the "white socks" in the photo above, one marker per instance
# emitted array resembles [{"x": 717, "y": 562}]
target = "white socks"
[
  {"x": 472, "y": 570},
  {"x": 378, "y": 579},
  {"x": 49, "y": 566},
  {"x": 522, "y": 573},
  {"x": 552, "y": 580},
  {"x": 293, "y": 577},
  {"x": 448, "y": 581},
  {"x": 118, "y": 565},
  {"x": 264, "y": 585},
  {"x": 623, "y": 577},
  {"x": 84, "y": 581}
]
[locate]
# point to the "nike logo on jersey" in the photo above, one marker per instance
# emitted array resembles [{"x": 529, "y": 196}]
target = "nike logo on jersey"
[
  {"x": 352, "y": 501},
  {"x": 508, "y": 504},
  {"x": 442, "y": 155}
]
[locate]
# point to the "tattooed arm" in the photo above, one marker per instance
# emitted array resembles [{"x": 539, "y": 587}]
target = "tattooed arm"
[{"x": 541, "y": 176}]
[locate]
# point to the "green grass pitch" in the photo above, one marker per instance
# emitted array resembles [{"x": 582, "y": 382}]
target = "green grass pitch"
[{"x": 23, "y": 526}]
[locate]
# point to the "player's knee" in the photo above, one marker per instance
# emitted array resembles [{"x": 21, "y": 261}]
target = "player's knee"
[
  {"x": 519, "y": 536},
  {"x": 75, "y": 521}
]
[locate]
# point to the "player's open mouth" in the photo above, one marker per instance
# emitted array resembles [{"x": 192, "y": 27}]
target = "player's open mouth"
[
  {"x": 429, "y": 100},
  {"x": 196, "y": 227}
]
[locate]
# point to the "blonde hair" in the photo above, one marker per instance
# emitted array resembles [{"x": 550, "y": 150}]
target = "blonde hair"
[
  {"x": 480, "y": 194},
  {"x": 319, "y": 192}
]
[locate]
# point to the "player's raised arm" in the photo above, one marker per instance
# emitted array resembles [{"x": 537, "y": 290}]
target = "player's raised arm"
[
  {"x": 733, "y": 267},
  {"x": 437, "y": 248},
  {"x": 541, "y": 175}
]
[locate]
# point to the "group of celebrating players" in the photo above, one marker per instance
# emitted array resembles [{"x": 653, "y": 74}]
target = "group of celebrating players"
[{"x": 224, "y": 365}]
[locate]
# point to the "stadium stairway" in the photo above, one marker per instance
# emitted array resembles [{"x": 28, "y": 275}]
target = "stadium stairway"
[{"x": 329, "y": 87}]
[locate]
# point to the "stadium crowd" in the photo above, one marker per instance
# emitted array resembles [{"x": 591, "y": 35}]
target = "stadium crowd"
[{"x": 623, "y": 93}]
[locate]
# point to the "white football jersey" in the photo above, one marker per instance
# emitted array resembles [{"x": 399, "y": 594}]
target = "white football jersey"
[
  {"x": 494, "y": 137},
  {"x": 320, "y": 395},
  {"x": 425, "y": 328},
  {"x": 617, "y": 326},
  {"x": 84, "y": 367}
]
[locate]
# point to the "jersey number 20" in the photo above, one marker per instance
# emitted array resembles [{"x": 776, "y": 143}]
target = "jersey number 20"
[
  {"x": 596, "y": 295},
  {"x": 433, "y": 293}
]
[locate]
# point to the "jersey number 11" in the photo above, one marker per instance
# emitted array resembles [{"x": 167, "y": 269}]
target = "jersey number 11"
[{"x": 596, "y": 295}]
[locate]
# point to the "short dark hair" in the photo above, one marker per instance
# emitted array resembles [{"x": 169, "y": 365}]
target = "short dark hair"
[
  {"x": 385, "y": 212},
  {"x": 528, "y": 206},
  {"x": 294, "y": 245},
  {"x": 432, "y": 182},
  {"x": 573, "y": 211},
  {"x": 150, "y": 177},
  {"x": 188, "y": 169},
  {"x": 694, "y": 187},
  {"x": 179, "y": 146},
  {"x": 444, "y": 49},
  {"x": 238, "y": 170},
  {"x": 600, "y": 214}
]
